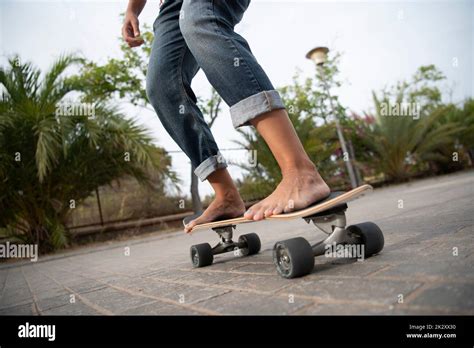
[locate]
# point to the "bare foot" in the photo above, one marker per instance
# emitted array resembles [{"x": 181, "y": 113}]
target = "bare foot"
[
  {"x": 297, "y": 190},
  {"x": 227, "y": 207}
]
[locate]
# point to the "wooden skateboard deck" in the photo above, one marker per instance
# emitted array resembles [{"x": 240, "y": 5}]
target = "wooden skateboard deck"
[{"x": 334, "y": 199}]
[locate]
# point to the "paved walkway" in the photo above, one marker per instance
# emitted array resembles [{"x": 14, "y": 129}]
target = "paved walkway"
[{"x": 425, "y": 268}]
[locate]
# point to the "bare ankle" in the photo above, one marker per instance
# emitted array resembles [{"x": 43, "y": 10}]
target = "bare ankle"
[
  {"x": 299, "y": 168},
  {"x": 228, "y": 195}
]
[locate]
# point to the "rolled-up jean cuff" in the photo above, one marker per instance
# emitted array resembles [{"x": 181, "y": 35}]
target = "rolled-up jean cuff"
[
  {"x": 210, "y": 165},
  {"x": 253, "y": 106}
]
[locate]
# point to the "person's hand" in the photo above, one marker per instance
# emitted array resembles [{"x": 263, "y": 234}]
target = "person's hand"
[{"x": 131, "y": 31}]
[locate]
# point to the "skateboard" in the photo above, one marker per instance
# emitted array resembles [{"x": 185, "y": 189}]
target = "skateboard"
[{"x": 295, "y": 257}]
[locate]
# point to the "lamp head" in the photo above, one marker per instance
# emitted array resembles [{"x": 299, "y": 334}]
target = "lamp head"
[{"x": 318, "y": 55}]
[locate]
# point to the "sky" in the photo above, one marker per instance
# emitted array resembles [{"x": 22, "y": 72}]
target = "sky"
[{"x": 381, "y": 42}]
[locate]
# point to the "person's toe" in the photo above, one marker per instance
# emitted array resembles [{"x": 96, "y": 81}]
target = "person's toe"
[
  {"x": 277, "y": 210},
  {"x": 260, "y": 214},
  {"x": 289, "y": 207},
  {"x": 249, "y": 214},
  {"x": 254, "y": 209},
  {"x": 268, "y": 212},
  {"x": 199, "y": 220},
  {"x": 189, "y": 227}
]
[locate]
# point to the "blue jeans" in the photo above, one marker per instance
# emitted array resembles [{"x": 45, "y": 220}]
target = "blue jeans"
[{"x": 194, "y": 34}]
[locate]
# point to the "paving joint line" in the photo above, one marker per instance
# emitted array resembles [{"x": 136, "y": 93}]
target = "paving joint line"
[
  {"x": 279, "y": 293},
  {"x": 84, "y": 300},
  {"x": 34, "y": 306},
  {"x": 5, "y": 283},
  {"x": 416, "y": 292},
  {"x": 161, "y": 299}
]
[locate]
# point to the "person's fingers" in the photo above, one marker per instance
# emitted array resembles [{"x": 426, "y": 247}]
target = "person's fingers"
[
  {"x": 135, "y": 26},
  {"x": 125, "y": 31},
  {"x": 127, "y": 34},
  {"x": 134, "y": 42},
  {"x": 129, "y": 37}
]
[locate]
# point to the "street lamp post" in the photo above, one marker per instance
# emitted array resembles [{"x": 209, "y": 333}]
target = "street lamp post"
[{"x": 319, "y": 56}]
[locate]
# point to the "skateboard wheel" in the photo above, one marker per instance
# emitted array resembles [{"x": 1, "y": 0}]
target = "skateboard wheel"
[
  {"x": 293, "y": 257},
  {"x": 371, "y": 237},
  {"x": 201, "y": 255},
  {"x": 252, "y": 244}
]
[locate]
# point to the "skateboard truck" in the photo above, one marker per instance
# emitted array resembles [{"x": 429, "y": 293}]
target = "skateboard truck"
[
  {"x": 247, "y": 244},
  {"x": 295, "y": 257},
  {"x": 226, "y": 243},
  {"x": 333, "y": 223}
]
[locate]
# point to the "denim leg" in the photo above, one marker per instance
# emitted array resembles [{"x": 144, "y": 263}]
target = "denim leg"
[
  {"x": 226, "y": 58},
  {"x": 171, "y": 69}
]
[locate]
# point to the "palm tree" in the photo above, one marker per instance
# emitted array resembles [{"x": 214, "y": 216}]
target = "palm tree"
[
  {"x": 463, "y": 143},
  {"x": 399, "y": 146},
  {"x": 53, "y": 155}
]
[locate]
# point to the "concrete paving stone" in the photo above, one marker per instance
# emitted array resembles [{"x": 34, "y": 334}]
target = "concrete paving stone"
[
  {"x": 52, "y": 302},
  {"x": 3, "y": 279},
  {"x": 124, "y": 281},
  {"x": 77, "y": 308},
  {"x": 456, "y": 269},
  {"x": 84, "y": 286},
  {"x": 205, "y": 277},
  {"x": 160, "y": 308},
  {"x": 415, "y": 252},
  {"x": 24, "y": 309},
  {"x": 58, "y": 276},
  {"x": 419, "y": 247},
  {"x": 143, "y": 285},
  {"x": 345, "y": 267},
  {"x": 3, "y": 272},
  {"x": 169, "y": 290},
  {"x": 45, "y": 293},
  {"x": 181, "y": 292},
  {"x": 168, "y": 273},
  {"x": 219, "y": 265},
  {"x": 242, "y": 303},
  {"x": 444, "y": 251},
  {"x": 460, "y": 238},
  {"x": 187, "y": 293},
  {"x": 18, "y": 297},
  {"x": 396, "y": 238},
  {"x": 15, "y": 279},
  {"x": 349, "y": 289},
  {"x": 259, "y": 283},
  {"x": 406, "y": 309},
  {"x": 268, "y": 269},
  {"x": 458, "y": 296},
  {"x": 345, "y": 309},
  {"x": 236, "y": 257},
  {"x": 114, "y": 300}
]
